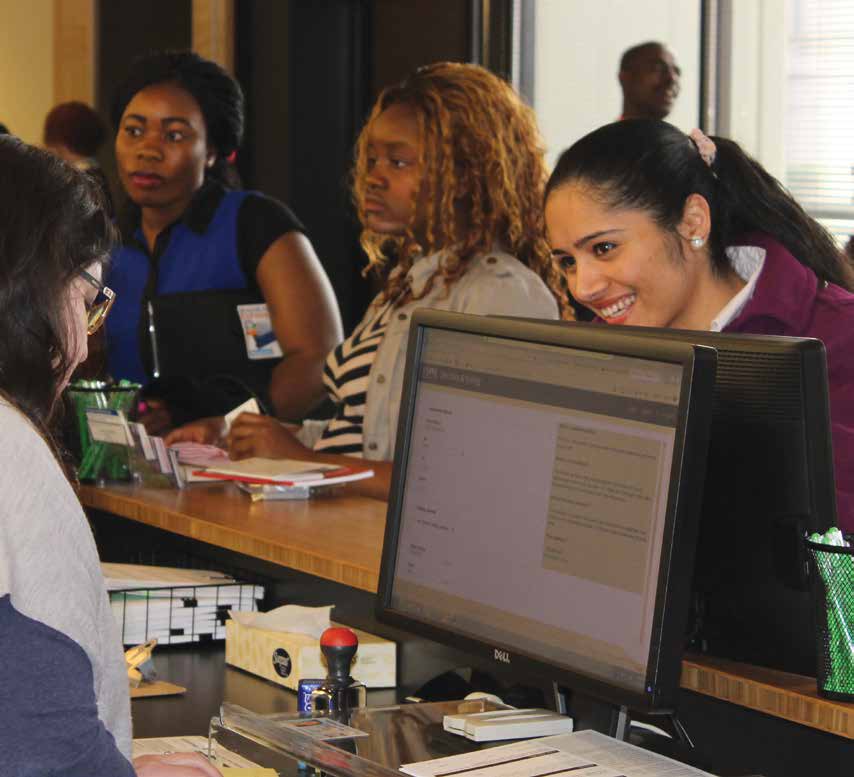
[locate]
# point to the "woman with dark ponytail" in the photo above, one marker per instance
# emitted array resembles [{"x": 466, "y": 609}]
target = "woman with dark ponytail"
[
  {"x": 179, "y": 121},
  {"x": 656, "y": 228}
]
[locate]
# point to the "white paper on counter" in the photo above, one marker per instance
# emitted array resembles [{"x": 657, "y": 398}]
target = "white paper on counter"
[
  {"x": 290, "y": 618},
  {"x": 630, "y": 760},
  {"x": 584, "y": 753},
  {"x": 523, "y": 759},
  {"x": 190, "y": 744}
]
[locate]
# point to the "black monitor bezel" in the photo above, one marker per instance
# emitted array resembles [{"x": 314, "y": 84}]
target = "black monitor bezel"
[
  {"x": 682, "y": 513},
  {"x": 812, "y": 358}
]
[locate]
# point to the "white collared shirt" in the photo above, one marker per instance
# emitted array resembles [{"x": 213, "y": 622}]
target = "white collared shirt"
[{"x": 747, "y": 261}]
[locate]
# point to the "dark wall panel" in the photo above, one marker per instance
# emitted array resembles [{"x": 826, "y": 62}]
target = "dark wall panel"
[
  {"x": 329, "y": 100},
  {"x": 305, "y": 68},
  {"x": 262, "y": 65},
  {"x": 411, "y": 33},
  {"x": 311, "y": 69},
  {"x": 127, "y": 29}
]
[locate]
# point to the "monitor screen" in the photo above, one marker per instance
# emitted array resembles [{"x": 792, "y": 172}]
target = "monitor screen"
[{"x": 541, "y": 507}]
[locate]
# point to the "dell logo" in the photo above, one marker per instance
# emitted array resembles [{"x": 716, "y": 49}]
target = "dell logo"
[{"x": 502, "y": 655}]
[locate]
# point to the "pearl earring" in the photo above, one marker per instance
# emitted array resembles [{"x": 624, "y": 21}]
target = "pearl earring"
[{"x": 697, "y": 243}]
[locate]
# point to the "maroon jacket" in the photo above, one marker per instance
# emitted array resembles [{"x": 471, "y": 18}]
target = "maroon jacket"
[{"x": 790, "y": 300}]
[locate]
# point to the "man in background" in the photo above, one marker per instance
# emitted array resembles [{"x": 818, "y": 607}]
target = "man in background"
[{"x": 649, "y": 78}]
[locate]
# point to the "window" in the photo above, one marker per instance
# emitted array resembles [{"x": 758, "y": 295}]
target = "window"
[
  {"x": 819, "y": 117},
  {"x": 572, "y": 75}
]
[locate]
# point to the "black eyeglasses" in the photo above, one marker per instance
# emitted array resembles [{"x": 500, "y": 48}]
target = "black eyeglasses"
[{"x": 97, "y": 311}]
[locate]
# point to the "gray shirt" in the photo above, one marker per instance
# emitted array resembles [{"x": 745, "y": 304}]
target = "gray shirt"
[{"x": 49, "y": 564}]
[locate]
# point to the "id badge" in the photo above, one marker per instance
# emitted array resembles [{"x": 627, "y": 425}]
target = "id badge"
[{"x": 258, "y": 332}]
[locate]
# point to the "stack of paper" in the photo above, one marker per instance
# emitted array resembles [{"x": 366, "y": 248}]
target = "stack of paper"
[
  {"x": 282, "y": 472},
  {"x": 174, "y": 605},
  {"x": 280, "y": 478}
]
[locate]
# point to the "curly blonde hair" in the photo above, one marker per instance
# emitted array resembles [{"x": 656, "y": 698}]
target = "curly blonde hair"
[{"x": 479, "y": 146}]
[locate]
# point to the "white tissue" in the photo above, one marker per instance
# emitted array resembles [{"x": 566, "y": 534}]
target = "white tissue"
[{"x": 291, "y": 618}]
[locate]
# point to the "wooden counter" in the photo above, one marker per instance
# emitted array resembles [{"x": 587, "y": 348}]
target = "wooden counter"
[
  {"x": 339, "y": 538},
  {"x": 783, "y": 695}
]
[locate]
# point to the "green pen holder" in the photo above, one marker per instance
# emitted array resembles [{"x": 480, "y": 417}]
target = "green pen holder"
[
  {"x": 832, "y": 582},
  {"x": 99, "y": 460}
]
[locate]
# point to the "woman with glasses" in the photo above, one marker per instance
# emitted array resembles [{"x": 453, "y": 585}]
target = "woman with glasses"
[{"x": 63, "y": 683}]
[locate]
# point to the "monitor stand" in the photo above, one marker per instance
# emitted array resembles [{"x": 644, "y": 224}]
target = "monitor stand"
[{"x": 613, "y": 720}]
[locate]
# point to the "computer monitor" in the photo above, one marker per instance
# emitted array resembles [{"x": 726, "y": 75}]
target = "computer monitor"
[
  {"x": 545, "y": 500},
  {"x": 770, "y": 480}
]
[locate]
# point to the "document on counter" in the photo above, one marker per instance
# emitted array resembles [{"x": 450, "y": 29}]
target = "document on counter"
[
  {"x": 191, "y": 744},
  {"x": 581, "y": 754},
  {"x": 281, "y": 471}
]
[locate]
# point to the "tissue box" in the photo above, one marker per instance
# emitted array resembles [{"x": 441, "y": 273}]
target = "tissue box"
[{"x": 286, "y": 658}]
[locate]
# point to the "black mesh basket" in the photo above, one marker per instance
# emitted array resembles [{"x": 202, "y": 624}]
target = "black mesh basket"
[{"x": 832, "y": 576}]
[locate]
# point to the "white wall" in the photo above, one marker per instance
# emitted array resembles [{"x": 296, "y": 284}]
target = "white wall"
[
  {"x": 578, "y": 48},
  {"x": 26, "y": 66},
  {"x": 753, "y": 89}
]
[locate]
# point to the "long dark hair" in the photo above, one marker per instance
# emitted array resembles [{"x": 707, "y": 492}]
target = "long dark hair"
[
  {"x": 652, "y": 166},
  {"x": 219, "y": 96},
  {"x": 52, "y": 225}
]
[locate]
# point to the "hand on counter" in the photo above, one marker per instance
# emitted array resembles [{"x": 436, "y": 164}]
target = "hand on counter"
[
  {"x": 263, "y": 435},
  {"x": 205, "y": 431},
  {"x": 175, "y": 765}
]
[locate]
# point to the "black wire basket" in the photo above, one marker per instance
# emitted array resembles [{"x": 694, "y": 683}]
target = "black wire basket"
[{"x": 832, "y": 582}]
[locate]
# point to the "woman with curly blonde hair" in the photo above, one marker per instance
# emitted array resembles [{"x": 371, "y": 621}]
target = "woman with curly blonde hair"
[
  {"x": 479, "y": 171},
  {"x": 448, "y": 182}
]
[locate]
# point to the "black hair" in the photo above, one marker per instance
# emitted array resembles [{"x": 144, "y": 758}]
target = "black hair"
[
  {"x": 52, "y": 225},
  {"x": 218, "y": 94},
  {"x": 76, "y": 126},
  {"x": 650, "y": 165},
  {"x": 627, "y": 61}
]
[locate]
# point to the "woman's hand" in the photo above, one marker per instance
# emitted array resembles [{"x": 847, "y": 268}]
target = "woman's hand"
[
  {"x": 156, "y": 417},
  {"x": 262, "y": 435},
  {"x": 175, "y": 765},
  {"x": 205, "y": 431}
]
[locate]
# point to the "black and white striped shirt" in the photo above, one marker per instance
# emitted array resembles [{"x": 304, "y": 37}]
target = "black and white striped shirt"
[{"x": 346, "y": 377}]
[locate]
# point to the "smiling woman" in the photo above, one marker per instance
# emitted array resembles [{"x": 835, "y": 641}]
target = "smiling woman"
[
  {"x": 179, "y": 122},
  {"x": 653, "y": 227}
]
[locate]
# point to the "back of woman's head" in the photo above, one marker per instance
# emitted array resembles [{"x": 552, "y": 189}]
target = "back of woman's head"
[
  {"x": 652, "y": 166},
  {"x": 76, "y": 126},
  {"x": 218, "y": 95},
  {"x": 52, "y": 225},
  {"x": 481, "y": 152}
]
